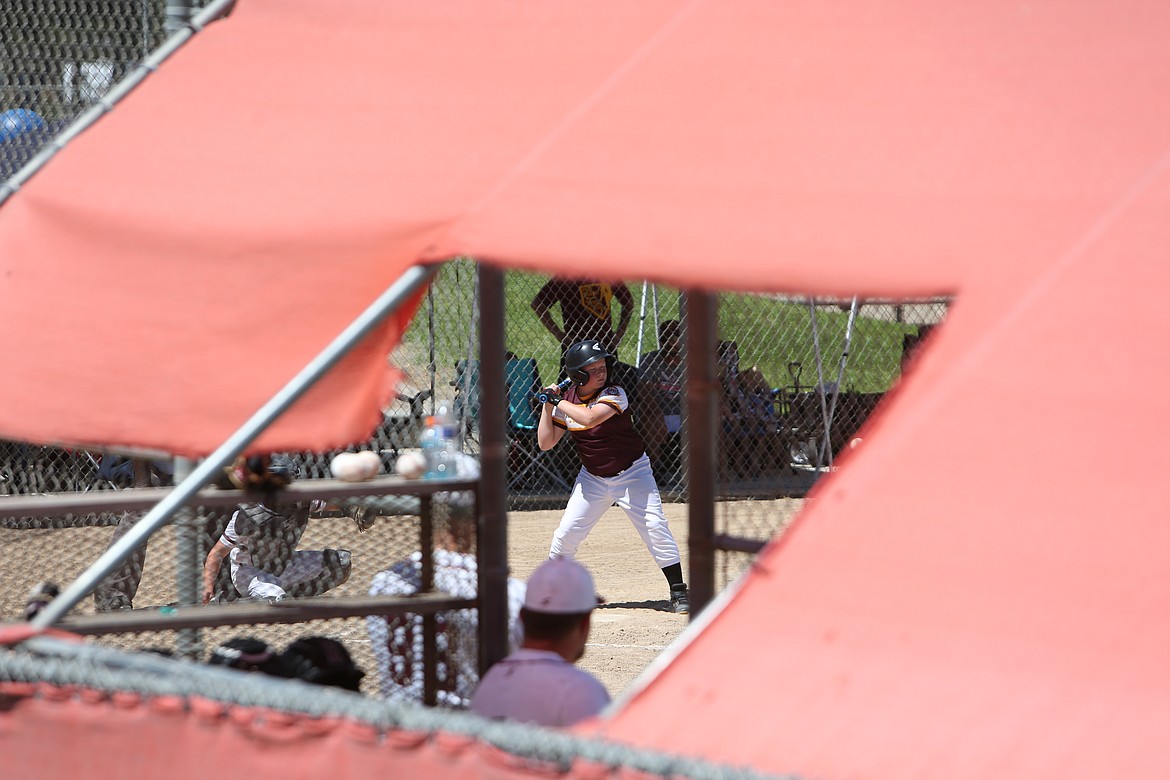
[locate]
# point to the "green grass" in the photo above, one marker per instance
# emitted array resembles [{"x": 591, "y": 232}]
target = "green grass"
[
  {"x": 770, "y": 333},
  {"x": 875, "y": 347}
]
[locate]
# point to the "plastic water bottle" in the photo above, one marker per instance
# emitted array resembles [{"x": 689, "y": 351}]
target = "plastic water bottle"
[{"x": 438, "y": 445}]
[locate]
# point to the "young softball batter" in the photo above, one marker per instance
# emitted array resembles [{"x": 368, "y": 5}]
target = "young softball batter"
[{"x": 614, "y": 465}]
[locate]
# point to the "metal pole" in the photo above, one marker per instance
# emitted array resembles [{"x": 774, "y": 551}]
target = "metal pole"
[
  {"x": 654, "y": 304},
  {"x": 465, "y": 384},
  {"x": 827, "y": 456},
  {"x": 431, "y": 367},
  {"x": 820, "y": 388},
  {"x": 188, "y": 641},
  {"x": 701, "y": 439},
  {"x": 641, "y": 321},
  {"x": 492, "y": 536},
  {"x": 398, "y": 293},
  {"x": 145, "y": 29},
  {"x": 641, "y": 324}
]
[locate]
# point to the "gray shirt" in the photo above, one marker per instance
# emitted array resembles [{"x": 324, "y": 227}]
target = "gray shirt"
[{"x": 541, "y": 687}]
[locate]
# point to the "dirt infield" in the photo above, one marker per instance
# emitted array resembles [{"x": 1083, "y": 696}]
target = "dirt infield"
[
  {"x": 629, "y": 631},
  {"x": 634, "y": 626}
]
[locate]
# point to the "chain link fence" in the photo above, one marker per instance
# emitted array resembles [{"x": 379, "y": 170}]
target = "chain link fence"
[{"x": 59, "y": 58}]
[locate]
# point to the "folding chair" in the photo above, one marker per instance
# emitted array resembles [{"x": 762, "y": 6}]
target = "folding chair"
[
  {"x": 466, "y": 400},
  {"x": 528, "y": 464}
]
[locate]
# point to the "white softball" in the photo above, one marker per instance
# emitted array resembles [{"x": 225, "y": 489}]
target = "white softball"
[
  {"x": 347, "y": 467},
  {"x": 371, "y": 463},
  {"x": 355, "y": 466},
  {"x": 410, "y": 464}
]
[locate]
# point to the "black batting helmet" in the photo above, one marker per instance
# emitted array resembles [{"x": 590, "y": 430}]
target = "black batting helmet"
[{"x": 582, "y": 354}]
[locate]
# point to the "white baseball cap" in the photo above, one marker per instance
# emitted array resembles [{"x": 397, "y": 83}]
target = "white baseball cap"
[{"x": 560, "y": 586}]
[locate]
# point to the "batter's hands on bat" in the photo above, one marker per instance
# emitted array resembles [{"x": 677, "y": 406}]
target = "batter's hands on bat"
[{"x": 550, "y": 395}]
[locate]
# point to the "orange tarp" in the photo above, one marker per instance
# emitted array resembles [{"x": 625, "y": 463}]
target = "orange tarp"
[
  {"x": 980, "y": 590},
  {"x": 180, "y": 261},
  {"x": 67, "y": 733}
]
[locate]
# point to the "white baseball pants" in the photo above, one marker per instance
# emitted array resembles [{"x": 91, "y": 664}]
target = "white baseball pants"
[
  {"x": 260, "y": 584},
  {"x": 636, "y": 492}
]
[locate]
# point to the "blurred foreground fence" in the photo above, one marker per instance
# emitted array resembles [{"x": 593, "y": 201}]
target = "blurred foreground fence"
[{"x": 798, "y": 377}]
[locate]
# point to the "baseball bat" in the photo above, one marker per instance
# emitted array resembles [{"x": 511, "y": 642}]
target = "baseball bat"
[{"x": 544, "y": 395}]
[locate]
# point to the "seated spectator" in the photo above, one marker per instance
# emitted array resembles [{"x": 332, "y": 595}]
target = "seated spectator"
[
  {"x": 757, "y": 409},
  {"x": 747, "y": 411},
  {"x": 661, "y": 380},
  {"x": 762, "y": 447},
  {"x": 749, "y": 444},
  {"x": 911, "y": 342},
  {"x": 731, "y": 401},
  {"x": 397, "y": 641},
  {"x": 539, "y": 683}
]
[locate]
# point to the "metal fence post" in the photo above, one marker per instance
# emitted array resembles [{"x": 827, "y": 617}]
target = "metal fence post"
[
  {"x": 701, "y": 442},
  {"x": 188, "y": 641},
  {"x": 492, "y": 537}
]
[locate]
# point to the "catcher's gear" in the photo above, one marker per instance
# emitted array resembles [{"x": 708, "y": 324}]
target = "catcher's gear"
[
  {"x": 582, "y": 354},
  {"x": 336, "y": 570}
]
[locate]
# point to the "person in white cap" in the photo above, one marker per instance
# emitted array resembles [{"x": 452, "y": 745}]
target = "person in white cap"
[
  {"x": 397, "y": 640},
  {"x": 539, "y": 683}
]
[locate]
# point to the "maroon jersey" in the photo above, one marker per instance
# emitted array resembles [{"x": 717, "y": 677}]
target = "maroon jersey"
[{"x": 611, "y": 447}]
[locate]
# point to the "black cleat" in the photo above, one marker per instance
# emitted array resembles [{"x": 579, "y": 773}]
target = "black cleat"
[{"x": 680, "y": 602}]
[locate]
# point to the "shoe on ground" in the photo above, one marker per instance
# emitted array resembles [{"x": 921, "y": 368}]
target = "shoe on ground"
[{"x": 680, "y": 602}]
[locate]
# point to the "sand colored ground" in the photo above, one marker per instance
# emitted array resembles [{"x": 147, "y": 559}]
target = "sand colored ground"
[
  {"x": 629, "y": 631},
  {"x": 634, "y": 625}
]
